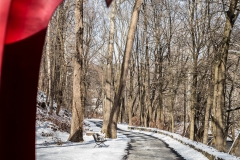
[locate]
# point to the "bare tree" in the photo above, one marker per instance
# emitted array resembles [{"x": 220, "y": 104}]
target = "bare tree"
[
  {"x": 108, "y": 88},
  {"x": 220, "y": 76},
  {"x": 112, "y": 126}
]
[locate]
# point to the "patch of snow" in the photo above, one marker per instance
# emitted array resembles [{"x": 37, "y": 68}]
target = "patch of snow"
[
  {"x": 202, "y": 147},
  {"x": 41, "y": 97}
]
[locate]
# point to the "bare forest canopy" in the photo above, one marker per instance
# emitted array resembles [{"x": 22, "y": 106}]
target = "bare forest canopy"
[{"x": 168, "y": 64}]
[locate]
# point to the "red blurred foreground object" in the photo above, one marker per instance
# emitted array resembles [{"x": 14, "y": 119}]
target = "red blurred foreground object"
[
  {"x": 4, "y": 11},
  {"x": 22, "y": 32}
]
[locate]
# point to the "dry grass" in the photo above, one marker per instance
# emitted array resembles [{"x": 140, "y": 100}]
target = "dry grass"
[{"x": 62, "y": 122}]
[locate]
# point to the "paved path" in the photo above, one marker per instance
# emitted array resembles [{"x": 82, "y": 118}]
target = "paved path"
[{"x": 145, "y": 147}]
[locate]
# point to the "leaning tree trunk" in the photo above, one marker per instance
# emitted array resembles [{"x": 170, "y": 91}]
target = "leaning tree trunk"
[
  {"x": 76, "y": 134},
  {"x": 235, "y": 145},
  {"x": 220, "y": 78},
  {"x": 112, "y": 126}
]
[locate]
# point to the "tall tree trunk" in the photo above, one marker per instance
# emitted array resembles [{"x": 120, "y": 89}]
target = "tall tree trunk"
[
  {"x": 207, "y": 112},
  {"x": 210, "y": 87},
  {"x": 48, "y": 47},
  {"x": 60, "y": 65},
  {"x": 230, "y": 97},
  {"x": 193, "y": 11},
  {"x": 193, "y": 99},
  {"x": 172, "y": 99},
  {"x": 184, "y": 108},
  {"x": 112, "y": 127},
  {"x": 122, "y": 115},
  {"x": 41, "y": 82},
  {"x": 220, "y": 77},
  {"x": 160, "y": 86},
  {"x": 141, "y": 93},
  {"x": 148, "y": 116},
  {"x": 52, "y": 77},
  {"x": 108, "y": 84},
  {"x": 130, "y": 104},
  {"x": 76, "y": 134}
]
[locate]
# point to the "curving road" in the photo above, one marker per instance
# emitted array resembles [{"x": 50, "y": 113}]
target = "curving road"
[{"x": 145, "y": 147}]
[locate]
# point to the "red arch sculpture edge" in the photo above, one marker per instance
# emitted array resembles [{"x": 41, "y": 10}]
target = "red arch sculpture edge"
[{"x": 22, "y": 32}]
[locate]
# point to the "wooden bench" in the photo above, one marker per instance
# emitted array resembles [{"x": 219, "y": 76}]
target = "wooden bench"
[{"x": 98, "y": 139}]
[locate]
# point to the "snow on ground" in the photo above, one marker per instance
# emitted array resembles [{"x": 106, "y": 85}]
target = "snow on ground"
[
  {"x": 185, "y": 151},
  {"x": 203, "y": 147},
  {"x": 52, "y": 145}
]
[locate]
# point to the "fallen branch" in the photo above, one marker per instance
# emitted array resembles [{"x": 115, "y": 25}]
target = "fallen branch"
[{"x": 229, "y": 110}]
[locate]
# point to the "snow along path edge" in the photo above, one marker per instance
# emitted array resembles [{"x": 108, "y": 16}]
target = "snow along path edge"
[
  {"x": 185, "y": 151},
  {"x": 210, "y": 152}
]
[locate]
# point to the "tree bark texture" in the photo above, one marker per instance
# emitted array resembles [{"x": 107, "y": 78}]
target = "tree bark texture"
[
  {"x": 108, "y": 84},
  {"x": 76, "y": 134}
]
